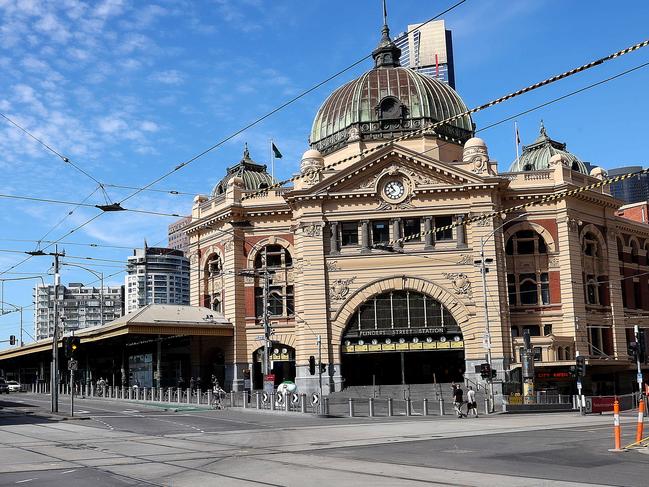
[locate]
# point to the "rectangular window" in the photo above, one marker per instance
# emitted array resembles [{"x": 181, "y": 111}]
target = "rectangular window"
[
  {"x": 380, "y": 232},
  {"x": 417, "y": 318},
  {"x": 290, "y": 301},
  {"x": 400, "y": 309},
  {"x": 443, "y": 221},
  {"x": 433, "y": 313},
  {"x": 383, "y": 311},
  {"x": 545, "y": 288},
  {"x": 275, "y": 301},
  {"x": 259, "y": 301},
  {"x": 348, "y": 233},
  {"x": 528, "y": 289},
  {"x": 538, "y": 356},
  {"x": 412, "y": 226}
]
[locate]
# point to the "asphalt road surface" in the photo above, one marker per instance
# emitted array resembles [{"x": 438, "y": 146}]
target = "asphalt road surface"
[{"x": 123, "y": 443}]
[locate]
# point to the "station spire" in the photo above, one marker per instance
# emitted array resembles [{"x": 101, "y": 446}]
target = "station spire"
[{"x": 386, "y": 54}]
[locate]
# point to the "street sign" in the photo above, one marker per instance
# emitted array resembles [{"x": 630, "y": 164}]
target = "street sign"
[
  {"x": 315, "y": 398},
  {"x": 73, "y": 364},
  {"x": 279, "y": 398},
  {"x": 486, "y": 341},
  {"x": 639, "y": 377},
  {"x": 295, "y": 398},
  {"x": 264, "y": 397},
  {"x": 260, "y": 337}
]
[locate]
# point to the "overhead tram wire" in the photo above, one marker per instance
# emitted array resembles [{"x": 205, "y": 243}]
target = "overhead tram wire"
[
  {"x": 430, "y": 128},
  {"x": 275, "y": 110},
  {"x": 65, "y": 159}
]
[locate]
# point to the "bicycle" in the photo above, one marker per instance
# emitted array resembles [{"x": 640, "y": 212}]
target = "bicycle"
[{"x": 218, "y": 400}]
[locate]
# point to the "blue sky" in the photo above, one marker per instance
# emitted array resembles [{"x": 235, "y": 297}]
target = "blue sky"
[{"x": 128, "y": 89}]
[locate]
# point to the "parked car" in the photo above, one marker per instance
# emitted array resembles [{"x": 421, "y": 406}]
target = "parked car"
[
  {"x": 13, "y": 386},
  {"x": 4, "y": 387}
]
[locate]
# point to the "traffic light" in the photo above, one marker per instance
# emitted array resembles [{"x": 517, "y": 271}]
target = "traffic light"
[
  {"x": 312, "y": 365},
  {"x": 642, "y": 351},
  {"x": 323, "y": 368},
  {"x": 76, "y": 341},
  {"x": 485, "y": 371},
  {"x": 573, "y": 371},
  {"x": 581, "y": 366},
  {"x": 70, "y": 344},
  {"x": 12, "y": 339}
]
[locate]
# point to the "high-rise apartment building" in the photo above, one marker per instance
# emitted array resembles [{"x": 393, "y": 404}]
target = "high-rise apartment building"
[
  {"x": 79, "y": 307},
  {"x": 156, "y": 276},
  {"x": 631, "y": 190},
  {"x": 178, "y": 239},
  {"x": 429, "y": 50}
]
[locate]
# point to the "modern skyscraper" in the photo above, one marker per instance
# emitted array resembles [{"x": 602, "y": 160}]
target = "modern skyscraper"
[
  {"x": 79, "y": 306},
  {"x": 156, "y": 276},
  {"x": 178, "y": 239},
  {"x": 631, "y": 190},
  {"x": 429, "y": 50}
]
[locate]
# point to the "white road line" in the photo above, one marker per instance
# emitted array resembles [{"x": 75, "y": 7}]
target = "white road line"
[
  {"x": 69, "y": 471},
  {"x": 23, "y": 481}
]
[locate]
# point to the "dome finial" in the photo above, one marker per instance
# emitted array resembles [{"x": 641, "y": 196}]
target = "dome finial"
[
  {"x": 246, "y": 152},
  {"x": 387, "y": 53},
  {"x": 542, "y": 130}
]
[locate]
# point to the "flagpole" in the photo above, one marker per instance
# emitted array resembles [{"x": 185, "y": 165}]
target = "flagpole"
[
  {"x": 516, "y": 141},
  {"x": 272, "y": 159}
]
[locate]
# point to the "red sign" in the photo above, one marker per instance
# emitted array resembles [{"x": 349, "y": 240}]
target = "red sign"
[
  {"x": 553, "y": 375},
  {"x": 270, "y": 378},
  {"x": 603, "y": 404}
]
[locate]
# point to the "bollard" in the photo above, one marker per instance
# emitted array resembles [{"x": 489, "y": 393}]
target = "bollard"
[
  {"x": 257, "y": 400},
  {"x": 231, "y": 399},
  {"x": 303, "y": 403},
  {"x": 130, "y": 393},
  {"x": 325, "y": 406},
  {"x": 640, "y": 427},
  {"x": 408, "y": 407},
  {"x": 179, "y": 395},
  {"x": 287, "y": 403},
  {"x": 351, "y": 407},
  {"x": 272, "y": 401},
  {"x": 486, "y": 405},
  {"x": 198, "y": 396},
  {"x": 189, "y": 395},
  {"x": 245, "y": 399},
  {"x": 160, "y": 394},
  {"x": 425, "y": 411},
  {"x": 390, "y": 411},
  {"x": 104, "y": 391},
  {"x": 616, "y": 427},
  {"x": 441, "y": 406},
  {"x": 371, "y": 405},
  {"x": 209, "y": 397}
]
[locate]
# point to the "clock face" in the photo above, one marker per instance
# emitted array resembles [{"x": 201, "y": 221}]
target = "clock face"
[{"x": 394, "y": 189}]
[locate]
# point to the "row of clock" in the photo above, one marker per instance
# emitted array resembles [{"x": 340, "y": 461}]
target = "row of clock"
[{"x": 388, "y": 341}]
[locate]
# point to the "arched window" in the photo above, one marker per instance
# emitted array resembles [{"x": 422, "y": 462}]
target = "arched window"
[
  {"x": 528, "y": 248},
  {"x": 213, "y": 283},
  {"x": 274, "y": 260},
  {"x": 389, "y": 312},
  {"x": 214, "y": 266},
  {"x": 216, "y": 303},
  {"x": 594, "y": 265},
  {"x": 590, "y": 246},
  {"x": 634, "y": 251}
]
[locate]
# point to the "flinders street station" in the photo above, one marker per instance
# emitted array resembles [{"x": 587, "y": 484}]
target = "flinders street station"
[{"x": 374, "y": 251}]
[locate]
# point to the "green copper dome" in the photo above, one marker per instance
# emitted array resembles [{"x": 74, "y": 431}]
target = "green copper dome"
[
  {"x": 386, "y": 102},
  {"x": 536, "y": 156},
  {"x": 254, "y": 175}
]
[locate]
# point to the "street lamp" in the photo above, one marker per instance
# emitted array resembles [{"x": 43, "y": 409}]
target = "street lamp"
[
  {"x": 100, "y": 276},
  {"x": 483, "y": 271}
]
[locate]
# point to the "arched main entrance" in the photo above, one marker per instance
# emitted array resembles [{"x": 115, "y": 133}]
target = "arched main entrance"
[{"x": 402, "y": 337}]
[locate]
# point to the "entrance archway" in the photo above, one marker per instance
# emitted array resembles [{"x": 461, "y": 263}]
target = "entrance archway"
[
  {"x": 402, "y": 337},
  {"x": 282, "y": 359}
]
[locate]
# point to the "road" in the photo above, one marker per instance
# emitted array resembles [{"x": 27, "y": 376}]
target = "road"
[{"x": 126, "y": 444}]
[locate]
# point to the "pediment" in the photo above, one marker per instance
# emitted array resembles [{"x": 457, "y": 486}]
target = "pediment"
[{"x": 421, "y": 171}]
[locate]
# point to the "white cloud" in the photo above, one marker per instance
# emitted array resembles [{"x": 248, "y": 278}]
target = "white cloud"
[
  {"x": 111, "y": 124},
  {"x": 168, "y": 77}
]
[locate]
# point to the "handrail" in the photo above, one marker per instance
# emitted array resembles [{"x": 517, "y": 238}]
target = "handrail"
[{"x": 476, "y": 384}]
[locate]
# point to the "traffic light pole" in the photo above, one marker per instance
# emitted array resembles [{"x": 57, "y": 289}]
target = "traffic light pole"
[
  {"x": 487, "y": 340},
  {"x": 636, "y": 332},
  {"x": 319, "y": 340},
  {"x": 267, "y": 342}
]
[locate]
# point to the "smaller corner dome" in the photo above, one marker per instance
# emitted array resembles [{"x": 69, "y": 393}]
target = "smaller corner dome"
[
  {"x": 475, "y": 142},
  {"x": 312, "y": 154},
  {"x": 253, "y": 175},
  {"x": 538, "y": 155}
]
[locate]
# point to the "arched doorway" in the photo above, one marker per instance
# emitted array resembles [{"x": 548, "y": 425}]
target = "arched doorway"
[
  {"x": 282, "y": 360},
  {"x": 402, "y": 337}
]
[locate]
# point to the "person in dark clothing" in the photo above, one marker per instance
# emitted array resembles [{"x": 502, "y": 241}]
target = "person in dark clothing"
[
  {"x": 192, "y": 384},
  {"x": 458, "y": 400}
]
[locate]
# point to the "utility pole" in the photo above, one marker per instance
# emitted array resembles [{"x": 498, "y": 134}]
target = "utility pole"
[
  {"x": 21, "y": 327},
  {"x": 487, "y": 335},
  {"x": 55, "y": 337},
  {"x": 319, "y": 341},
  {"x": 266, "y": 323}
]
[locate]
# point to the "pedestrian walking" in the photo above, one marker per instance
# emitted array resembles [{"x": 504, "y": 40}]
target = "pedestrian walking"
[
  {"x": 192, "y": 384},
  {"x": 458, "y": 400},
  {"x": 471, "y": 405}
]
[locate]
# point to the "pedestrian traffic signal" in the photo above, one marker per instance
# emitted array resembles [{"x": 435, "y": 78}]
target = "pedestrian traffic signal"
[
  {"x": 573, "y": 371},
  {"x": 323, "y": 368},
  {"x": 12, "y": 339},
  {"x": 312, "y": 365},
  {"x": 485, "y": 371},
  {"x": 581, "y": 366}
]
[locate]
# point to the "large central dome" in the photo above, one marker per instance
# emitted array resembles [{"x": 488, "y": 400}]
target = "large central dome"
[{"x": 386, "y": 102}]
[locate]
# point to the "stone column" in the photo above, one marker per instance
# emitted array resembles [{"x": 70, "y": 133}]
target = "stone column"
[
  {"x": 333, "y": 226},
  {"x": 429, "y": 238},
  {"x": 460, "y": 232},
  {"x": 365, "y": 237},
  {"x": 396, "y": 231}
]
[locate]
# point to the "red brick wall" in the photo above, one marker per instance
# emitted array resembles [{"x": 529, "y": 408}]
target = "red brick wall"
[{"x": 555, "y": 287}]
